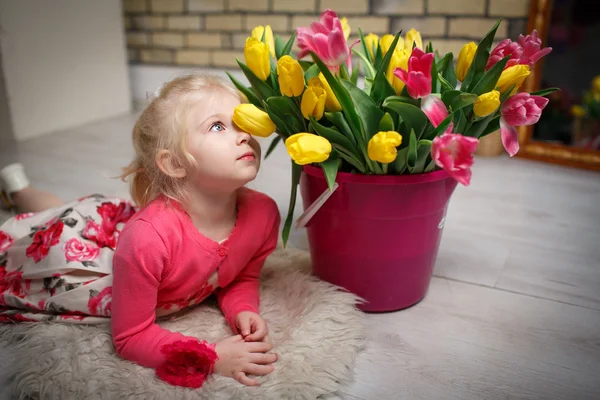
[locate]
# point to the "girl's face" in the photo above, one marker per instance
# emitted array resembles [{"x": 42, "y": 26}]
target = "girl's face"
[{"x": 226, "y": 158}]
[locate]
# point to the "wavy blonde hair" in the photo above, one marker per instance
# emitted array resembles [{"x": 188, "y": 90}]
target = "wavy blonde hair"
[{"x": 163, "y": 126}]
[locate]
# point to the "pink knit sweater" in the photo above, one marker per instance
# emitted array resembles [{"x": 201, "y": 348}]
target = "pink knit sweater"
[{"x": 163, "y": 263}]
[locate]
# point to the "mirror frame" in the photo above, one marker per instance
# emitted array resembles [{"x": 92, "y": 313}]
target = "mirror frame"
[{"x": 539, "y": 19}]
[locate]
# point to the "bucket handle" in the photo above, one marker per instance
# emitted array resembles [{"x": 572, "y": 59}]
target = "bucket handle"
[{"x": 305, "y": 218}]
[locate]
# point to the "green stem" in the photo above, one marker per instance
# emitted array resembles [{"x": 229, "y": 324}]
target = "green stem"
[{"x": 385, "y": 168}]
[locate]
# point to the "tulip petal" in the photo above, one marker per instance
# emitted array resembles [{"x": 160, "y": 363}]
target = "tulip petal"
[
  {"x": 338, "y": 48},
  {"x": 435, "y": 109},
  {"x": 321, "y": 45},
  {"x": 510, "y": 137},
  {"x": 540, "y": 101}
]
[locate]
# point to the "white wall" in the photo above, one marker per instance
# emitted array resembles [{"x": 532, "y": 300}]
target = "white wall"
[{"x": 65, "y": 63}]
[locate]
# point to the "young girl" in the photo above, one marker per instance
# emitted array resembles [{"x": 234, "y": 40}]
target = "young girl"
[{"x": 198, "y": 231}]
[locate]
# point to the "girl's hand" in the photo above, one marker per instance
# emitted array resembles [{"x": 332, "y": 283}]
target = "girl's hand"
[
  {"x": 252, "y": 327},
  {"x": 238, "y": 358}
]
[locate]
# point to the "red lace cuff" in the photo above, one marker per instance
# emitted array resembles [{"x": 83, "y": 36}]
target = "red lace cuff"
[{"x": 188, "y": 363}]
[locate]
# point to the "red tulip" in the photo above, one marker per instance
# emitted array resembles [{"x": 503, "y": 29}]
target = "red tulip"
[
  {"x": 454, "y": 153},
  {"x": 520, "y": 109},
  {"x": 326, "y": 39},
  {"x": 418, "y": 77}
]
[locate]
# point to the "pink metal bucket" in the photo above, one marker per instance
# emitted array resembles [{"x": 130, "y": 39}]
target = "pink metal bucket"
[{"x": 378, "y": 236}]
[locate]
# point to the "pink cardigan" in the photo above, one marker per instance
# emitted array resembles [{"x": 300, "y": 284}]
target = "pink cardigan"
[{"x": 162, "y": 263}]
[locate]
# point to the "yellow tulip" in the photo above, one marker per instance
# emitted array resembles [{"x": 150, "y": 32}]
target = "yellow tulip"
[
  {"x": 465, "y": 58},
  {"x": 291, "y": 76},
  {"x": 514, "y": 75},
  {"x": 578, "y": 111},
  {"x": 257, "y": 58},
  {"x": 386, "y": 41},
  {"x": 306, "y": 148},
  {"x": 257, "y": 33},
  {"x": 331, "y": 102},
  {"x": 251, "y": 119},
  {"x": 487, "y": 103},
  {"x": 313, "y": 99},
  {"x": 382, "y": 146},
  {"x": 413, "y": 36},
  {"x": 371, "y": 41},
  {"x": 399, "y": 59},
  {"x": 346, "y": 27},
  {"x": 596, "y": 84}
]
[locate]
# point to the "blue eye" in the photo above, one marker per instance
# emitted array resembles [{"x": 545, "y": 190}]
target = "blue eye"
[{"x": 217, "y": 127}]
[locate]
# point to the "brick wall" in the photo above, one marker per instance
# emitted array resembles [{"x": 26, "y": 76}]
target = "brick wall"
[{"x": 211, "y": 33}]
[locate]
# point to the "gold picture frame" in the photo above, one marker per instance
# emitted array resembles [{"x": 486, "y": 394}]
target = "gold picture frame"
[{"x": 539, "y": 19}]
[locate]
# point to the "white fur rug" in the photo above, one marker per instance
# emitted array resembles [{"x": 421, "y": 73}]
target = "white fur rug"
[{"x": 316, "y": 329}]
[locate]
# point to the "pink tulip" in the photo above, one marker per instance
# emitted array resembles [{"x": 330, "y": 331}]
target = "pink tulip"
[
  {"x": 436, "y": 111},
  {"x": 527, "y": 50},
  {"x": 326, "y": 39},
  {"x": 418, "y": 77},
  {"x": 454, "y": 153},
  {"x": 520, "y": 109},
  {"x": 532, "y": 48},
  {"x": 505, "y": 48}
]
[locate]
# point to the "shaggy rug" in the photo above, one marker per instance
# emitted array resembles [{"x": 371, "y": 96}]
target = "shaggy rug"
[{"x": 316, "y": 329}]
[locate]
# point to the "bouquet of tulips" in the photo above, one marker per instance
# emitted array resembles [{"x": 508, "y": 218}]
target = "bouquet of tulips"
[{"x": 417, "y": 110}]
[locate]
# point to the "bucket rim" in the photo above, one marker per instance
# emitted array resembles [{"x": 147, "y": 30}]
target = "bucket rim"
[{"x": 408, "y": 179}]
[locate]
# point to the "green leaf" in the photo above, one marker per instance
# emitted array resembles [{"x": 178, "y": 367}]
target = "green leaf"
[
  {"x": 334, "y": 136},
  {"x": 272, "y": 145},
  {"x": 280, "y": 124},
  {"x": 477, "y": 67},
  {"x": 430, "y": 167},
  {"x": 355, "y": 71},
  {"x": 545, "y": 92},
  {"x": 477, "y": 127},
  {"x": 350, "y": 158},
  {"x": 404, "y": 99},
  {"x": 493, "y": 126},
  {"x": 461, "y": 123},
  {"x": 311, "y": 72},
  {"x": 279, "y": 45},
  {"x": 330, "y": 168},
  {"x": 305, "y": 64},
  {"x": 445, "y": 86},
  {"x": 450, "y": 74},
  {"x": 442, "y": 64},
  {"x": 252, "y": 98},
  {"x": 490, "y": 78},
  {"x": 412, "y": 117},
  {"x": 369, "y": 70},
  {"x": 456, "y": 99},
  {"x": 399, "y": 164},
  {"x": 506, "y": 94},
  {"x": 386, "y": 123},
  {"x": 440, "y": 129},
  {"x": 284, "y": 106},
  {"x": 342, "y": 95},
  {"x": 369, "y": 113},
  {"x": 265, "y": 91},
  {"x": 296, "y": 172},
  {"x": 423, "y": 153},
  {"x": 338, "y": 120},
  {"x": 434, "y": 75},
  {"x": 367, "y": 54},
  {"x": 344, "y": 72},
  {"x": 382, "y": 88},
  {"x": 411, "y": 157},
  {"x": 288, "y": 46}
]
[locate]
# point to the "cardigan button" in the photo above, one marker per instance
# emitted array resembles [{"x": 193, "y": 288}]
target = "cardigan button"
[{"x": 222, "y": 252}]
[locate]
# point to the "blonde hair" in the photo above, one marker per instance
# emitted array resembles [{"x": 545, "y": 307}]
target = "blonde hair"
[{"x": 163, "y": 126}]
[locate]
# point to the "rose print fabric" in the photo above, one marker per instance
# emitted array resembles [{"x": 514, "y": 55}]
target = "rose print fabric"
[{"x": 57, "y": 265}]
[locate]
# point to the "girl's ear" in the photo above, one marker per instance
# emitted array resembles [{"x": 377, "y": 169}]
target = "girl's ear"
[{"x": 168, "y": 165}]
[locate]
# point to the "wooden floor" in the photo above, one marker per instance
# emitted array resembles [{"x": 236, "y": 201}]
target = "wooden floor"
[{"x": 513, "y": 311}]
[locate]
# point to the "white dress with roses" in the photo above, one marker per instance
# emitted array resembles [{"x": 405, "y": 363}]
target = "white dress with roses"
[{"x": 57, "y": 265}]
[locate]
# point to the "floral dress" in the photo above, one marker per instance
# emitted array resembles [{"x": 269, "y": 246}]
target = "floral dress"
[{"x": 56, "y": 265}]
